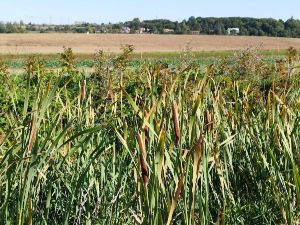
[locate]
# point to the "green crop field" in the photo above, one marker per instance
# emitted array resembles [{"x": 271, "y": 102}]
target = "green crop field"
[
  {"x": 165, "y": 139},
  {"x": 85, "y": 62}
]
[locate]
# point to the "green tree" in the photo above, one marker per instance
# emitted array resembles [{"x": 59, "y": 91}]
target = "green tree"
[
  {"x": 184, "y": 27},
  {"x": 2, "y": 28},
  {"x": 11, "y": 28},
  {"x": 178, "y": 29},
  {"x": 193, "y": 24},
  {"x": 91, "y": 29},
  {"x": 135, "y": 24}
]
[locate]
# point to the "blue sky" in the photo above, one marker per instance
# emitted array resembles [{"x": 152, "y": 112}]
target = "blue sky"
[{"x": 69, "y": 11}]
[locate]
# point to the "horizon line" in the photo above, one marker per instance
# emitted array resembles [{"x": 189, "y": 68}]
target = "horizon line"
[{"x": 124, "y": 21}]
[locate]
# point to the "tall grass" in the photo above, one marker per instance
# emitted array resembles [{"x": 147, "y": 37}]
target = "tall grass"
[{"x": 154, "y": 144}]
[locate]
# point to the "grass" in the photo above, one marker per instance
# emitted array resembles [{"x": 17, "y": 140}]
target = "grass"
[
  {"x": 151, "y": 144},
  {"x": 145, "y": 55},
  {"x": 85, "y": 62}
]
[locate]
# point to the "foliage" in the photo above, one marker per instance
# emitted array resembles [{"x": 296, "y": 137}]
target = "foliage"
[
  {"x": 160, "y": 144},
  {"x": 68, "y": 60},
  {"x": 209, "y": 25}
]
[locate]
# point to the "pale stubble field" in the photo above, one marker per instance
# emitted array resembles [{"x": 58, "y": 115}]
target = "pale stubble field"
[{"x": 89, "y": 43}]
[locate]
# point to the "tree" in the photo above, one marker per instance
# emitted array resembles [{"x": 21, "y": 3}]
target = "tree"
[
  {"x": 184, "y": 27},
  {"x": 135, "y": 24},
  {"x": 178, "y": 29},
  {"x": 209, "y": 25},
  {"x": 219, "y": 28},
  {"x": 193, "y": 24},
  {"x": 293, "y": 27},
  {"x": 2, "y": 28},
  {"x": 91, "y": 29},
  {"x": 11, "y": 28}
]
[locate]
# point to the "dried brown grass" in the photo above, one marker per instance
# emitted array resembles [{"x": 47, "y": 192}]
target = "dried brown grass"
[{"x": 83, "y": 43}]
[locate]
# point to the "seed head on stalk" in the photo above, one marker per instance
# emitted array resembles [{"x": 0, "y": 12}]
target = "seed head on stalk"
[
  {"x": 146, "y": 128},
  {"x": 209, "y": 123},
  {"x": 176, "y": 122},
  {"x": 33, "y": 132},
  {"x": 143, "y": 161},
  {"x": 83, "y": 89}
]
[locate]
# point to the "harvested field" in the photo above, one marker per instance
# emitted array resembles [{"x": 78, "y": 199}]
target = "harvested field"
[{"x": 83, "y": 43}]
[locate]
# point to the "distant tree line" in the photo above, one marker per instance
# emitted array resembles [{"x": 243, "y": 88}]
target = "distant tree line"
[
  {"x": 219, "y": 26},
  {"x": 12, "y": 27},
  {"x": 209, "y": 25}
]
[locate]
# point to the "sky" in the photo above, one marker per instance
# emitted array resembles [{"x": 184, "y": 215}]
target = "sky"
[{"x": 104, "y": 11}]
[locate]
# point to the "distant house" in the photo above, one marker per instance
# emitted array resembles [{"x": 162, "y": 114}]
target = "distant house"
[
  {"x": 101, "y": 30},
  {"x": 168, "y": 31},
  {"x": 195, "y": 32},
  {"x": 125, "y": 30},
  {"x": 142, "y": 30},
  {"x": 233, "y": 31}
]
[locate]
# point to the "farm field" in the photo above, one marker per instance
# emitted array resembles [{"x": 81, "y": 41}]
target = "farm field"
[
  {"x": 83, "y": 43},
  {"x": 150, "y": 141}
]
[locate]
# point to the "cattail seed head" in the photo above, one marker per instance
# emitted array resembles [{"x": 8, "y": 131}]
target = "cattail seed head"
[
  {"x": 176, "y": 122},
  {"x": 33, "y": 133},
  {"x": 146, "y": 129},
  {"x": 83, "y": 89},
  {"x": 143, "y": 162},
  {"x": 209, "y": 123}
]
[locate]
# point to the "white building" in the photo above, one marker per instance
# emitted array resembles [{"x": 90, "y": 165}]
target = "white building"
[
  {"x": 142, "y": 30},
  {"x": 233, "y": 31},
  {"x": 125, "y": 30},
  {"x": 167, "y": 31}
]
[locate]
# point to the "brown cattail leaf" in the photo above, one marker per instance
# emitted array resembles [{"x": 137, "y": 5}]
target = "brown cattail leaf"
[
  {"x": 196, "y": 105},
  {"x": 176, "y": 122},
  {"x": 146, "y": 128},
  {"x": 83, "y": 89},
  {"x": 268, "y": 102},
  {"x": 298, "y": 162},
  {"x": 198, "y": 149},
  {"x": 2, "y": 139},
  {"x": 185, "y": 153},
  {"x": 209, "y": 123},
  {"x": 33, "y": 131},
  {"x": 160, "y": 159},
  {"x": 204, "y": 87},
  {"x": 210, "y": 70},
  {"x": 143, "y": 162},
  {"x": 219, "y": 167},
  {"x": 273, "y": 89},
  {"x": 176, "y": 197}
]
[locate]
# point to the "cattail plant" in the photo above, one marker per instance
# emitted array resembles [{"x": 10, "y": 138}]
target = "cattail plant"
[
  {"x": 33, "y": 132},
  {"x": 209, "y": 122},
  {"x": 83, "y": 89},
  {"x": 198, "y": 149},
  {"x": 176, "y": 122},
  {"x": 143, "y": 162},
  {"x": 176, "y": 197},
  {"x": 64, "y": 162},
  {"x": 146, "y": 128}
]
